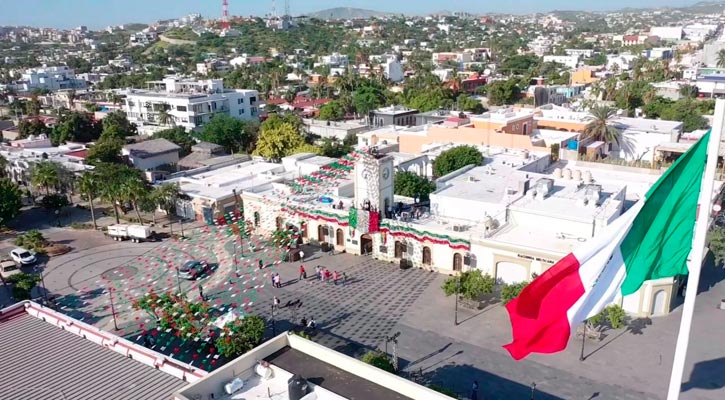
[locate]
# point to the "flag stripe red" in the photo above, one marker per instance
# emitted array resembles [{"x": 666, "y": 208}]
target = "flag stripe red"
[{"x": 538, "y": 315}]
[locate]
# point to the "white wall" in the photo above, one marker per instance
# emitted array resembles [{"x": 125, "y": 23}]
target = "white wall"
[{"x": 145, "y": 164}]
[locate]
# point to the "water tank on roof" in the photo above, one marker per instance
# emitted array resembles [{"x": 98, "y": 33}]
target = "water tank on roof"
[
  {"x": 557, "y": 173},
  {"x": 525, "y": 154},
  {"x": 297, "y": 387},
  {"x": 577, "y": 175},
  {"x": 587, "y": 176},
  {"x": 567, "y": 173}
]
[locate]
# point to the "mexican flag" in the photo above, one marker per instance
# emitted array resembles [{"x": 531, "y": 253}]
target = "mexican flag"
[{"x": 650, "y": 240}]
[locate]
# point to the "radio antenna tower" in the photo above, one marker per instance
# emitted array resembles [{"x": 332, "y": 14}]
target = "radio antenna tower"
[
  {"x": 274, "y": 9},
  {"x": 286, "y": 8},
  {"x": 225, "y": 15}
]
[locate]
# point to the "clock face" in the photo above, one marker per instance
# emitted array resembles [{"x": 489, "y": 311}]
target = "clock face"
[
  {"x": 386, "y": 173},
  {"x": 366, "y": 174}
]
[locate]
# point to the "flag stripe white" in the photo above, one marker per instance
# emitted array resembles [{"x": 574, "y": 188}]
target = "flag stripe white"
[{"x": 601, "y": 267}]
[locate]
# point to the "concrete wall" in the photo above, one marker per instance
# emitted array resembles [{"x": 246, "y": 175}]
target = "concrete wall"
[
  {"x": 145, "y": 164},
  {"x": 465, "y": 135}
]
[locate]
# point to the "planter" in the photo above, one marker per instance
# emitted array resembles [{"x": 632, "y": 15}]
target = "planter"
[
  {"x": 325, "y": 247},
  {"x": 405, "y": 264},
  {"x": 470, "y": 303}
]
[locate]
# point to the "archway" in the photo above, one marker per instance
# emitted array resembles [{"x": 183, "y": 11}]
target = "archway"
[
  {"x": 399, "y": 249},
  {"x": 427, "y": 259},
  {"x": 457, "y": 262},
  {"x": 658, "y": 303},
  {"x": 366, "y": 244},
  {"x": 340, "y": 237},
  {"x": 321, "y": 233}
]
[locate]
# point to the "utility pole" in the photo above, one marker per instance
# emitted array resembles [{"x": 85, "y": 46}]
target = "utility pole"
[
  {"x": 113, "y": 309},
  {"x": 458, "y": 291}
]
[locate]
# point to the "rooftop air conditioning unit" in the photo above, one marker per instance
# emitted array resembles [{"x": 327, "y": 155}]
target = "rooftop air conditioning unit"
[{"x": 457, "y": 228}]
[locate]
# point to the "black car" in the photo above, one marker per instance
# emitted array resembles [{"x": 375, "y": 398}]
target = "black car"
[{"x": 191, "y": 270}]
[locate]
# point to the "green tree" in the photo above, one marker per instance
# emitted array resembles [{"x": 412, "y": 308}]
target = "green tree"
[
  {"x": 455, "y": 159},
  {"x": 511, "y": 291},
  {"x": 167, "y": 195},
  {"x": 240, "y": 336},
  {"x": 334, "y": 148},
  {"x": 179, "y": 136},
  {"x": 23, "y": 285},
  {"x": 278, "y": 142},
  {"x": 45, "y": 175},
  {"x": 467, "y": 103},
  {"x": 112, "y": 178},
  {"x": 378, "y": 359},
  {"x": 503, "y": 92},
  {"x": 135, "y": 189},
  {"x": 721, "y": 58},
  {"x": 412, "y": 185},
  {"x": 10, "y": 201},
  {"x": 233, "y": 134},
  {"x": 116, "y": 126},
  {"x": 106, "y": 150},
  {"x": 686, "y": 111},
  {"x": 332, "y": 111},
  {"x": 76, "y": 127},
  {"x": 368, "y": 98},
  {"x": 470, "y": 284},
  {"x": 174, "y": 311},
  {"x": 716, "y": 243},
  {"x": 3, "y": 165},
  {"x": 689, "y": 91},
  {"x": 32, "y": 127},
  {"x": 600, "y": 126},
  {"x": 89, "y": 184}
]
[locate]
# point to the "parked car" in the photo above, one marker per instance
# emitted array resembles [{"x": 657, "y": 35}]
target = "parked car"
[
  {"x": 8, "y": 268},
  {"x": 22, "y": 256},
  {"x": 192, "y": 269}
]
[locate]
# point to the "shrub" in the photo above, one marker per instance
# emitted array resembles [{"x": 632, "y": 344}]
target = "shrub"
[
  {"x": 472, "y": 284},
  {"x": 511, "y": 291},
  {"x": 240, "y": 336},
  {"x": 378, "y": 359},
  {"x": 81, "y": 226},
  {"x": 442, "y": 389},
  {"x": 614, "y": 314},
  {"x": 54, "y": 201},
  {"x": 302, "y": 334},
  {"x": 455, "y": 159},
  {"x": 32, "y": 240},
  {"x": 23, "y": 284}
]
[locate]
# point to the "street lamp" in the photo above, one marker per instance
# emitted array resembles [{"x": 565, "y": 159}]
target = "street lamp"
[
  {"x": 57, "y": 217},
  {"x": 42, "y": 282},
  {"x": 533, "y": 388},
  {"x": 584, "y": 338},
  {"x": 274, "y": 327},
  {"x": 458, "y": 291},
  {"x": 178, "y": 280},
  {"x": 113, "y": 309}
]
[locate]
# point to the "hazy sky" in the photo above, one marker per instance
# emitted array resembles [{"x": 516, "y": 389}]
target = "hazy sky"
[{"x": 99, "y": 13}]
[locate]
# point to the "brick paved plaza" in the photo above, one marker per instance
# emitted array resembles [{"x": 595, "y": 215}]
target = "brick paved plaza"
[{"x": 381, "y": 300}]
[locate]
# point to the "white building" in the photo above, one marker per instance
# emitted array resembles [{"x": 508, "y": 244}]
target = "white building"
[
  {"x": 667, "y": 32},
  {"x": 586, "y": 53},
  {"x": 623, "y": 62},
  {"x": 188, "y": 103},
  {"x": 570, "y": 62},
  {"x": 640, "y": 137},
  {"x": 49, "y": 78},
  {"x": 335, "y": 60},
  {"x": 393, "y": 70},
  {"x": 151, "y": 154},
  {"x": 143, "y": 38},
  {"x": 698, "y": 31}
]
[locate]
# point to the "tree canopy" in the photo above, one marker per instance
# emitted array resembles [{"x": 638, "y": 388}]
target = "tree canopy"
[
  {"x": 455, "y": 159},
  {"x": 76, "y": 127},
  {"x": 10, "y": 201},
  {"x": 32, "y": 127},
  {"x": 233, "y": 134},
  {"x": 332, "y": 111},
  {"x": 179, "y": 136},
  {"x": 411, "y": 185},
  {"x": 116, "y": 125},
  {"x": 278, "y": 142},
  {"x": 503, "y": 92},
  {"x": 107, "y": 150}
]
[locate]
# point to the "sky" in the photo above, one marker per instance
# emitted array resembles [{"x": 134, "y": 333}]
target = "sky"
[{"x": 100, "y": 13}]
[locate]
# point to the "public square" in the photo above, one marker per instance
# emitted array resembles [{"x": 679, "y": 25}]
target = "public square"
[{"x": 378, "y": 301}]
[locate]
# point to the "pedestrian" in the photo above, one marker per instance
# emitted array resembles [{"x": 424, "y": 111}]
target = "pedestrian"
[
  {"x": 335, "y": 277},
  {"x": 303, "y": 273},
  {"x": 275, "y": 303},
  {"x": 328, "y": 275},
  {"x": 311, "y": 324},
  {"x": 302, "y": 255},
  {"x": 303, "y": 322},
  {"x": 201, "y": 293},
  {"x": 474, "y": 391},
  {"x": 277, "y": 281},
  {"x": 344, "y": 279},
  {"x": 318, "y": 271},
  {"x": 261, "y": 264}
]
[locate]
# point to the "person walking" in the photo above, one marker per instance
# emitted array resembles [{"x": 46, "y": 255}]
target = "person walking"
[
  {"x": 303, "y": 273},
  {"x": 271, "y": 278},
  {"x": 335, "y": 277},
  {"x": 303, "y": 322},
  {"x": 275, "y": 303},
  {"x": 201, "y": 293},
  {"x": 344, "y": 279},
  {"x": 311, "y": 324},
  {"x": 302, "y": 255},
  {"x": 474, "y": 391},
  {"x": 261, "y": 264},
  {"x": 318, "y": 269},
  {"x": 277, "y": 281}
]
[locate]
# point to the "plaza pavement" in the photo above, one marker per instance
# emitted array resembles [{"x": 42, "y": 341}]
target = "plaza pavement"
[{"x": 381, "y": 300}]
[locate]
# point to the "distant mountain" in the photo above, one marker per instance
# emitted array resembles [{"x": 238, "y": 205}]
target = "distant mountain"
[
  {"x": 705, "y": 7},
  {"x": 346, "y": 13}
]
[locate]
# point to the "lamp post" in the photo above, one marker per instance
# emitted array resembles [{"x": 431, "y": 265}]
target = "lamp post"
[
  {"x": 274, "y": 327},
  {"x": 584, "y": 338},
  {"x": 57, "y": 217},
  {"x": 113, "y": 309},
  {"x": 533, "y": 388},
  {"x": 42, "y": 282},
  {"x": 458, "y": 291},
  {"x": 178, "y": 280}
]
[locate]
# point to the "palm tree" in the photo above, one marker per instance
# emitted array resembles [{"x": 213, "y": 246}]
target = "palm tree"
[
  {"x": 721, "y": 58},
  {"x": 3, "y": 165},
  {"x": 89, "y": 186},
  {"x": 167, "y": 195},
  {"x": 45, "y": 174},
  {"x": 134, "y": 189},
  {"x": 600, "y": 126},
  {"x": 165, "y": 118},
  {"x": 71, "y": 98}
]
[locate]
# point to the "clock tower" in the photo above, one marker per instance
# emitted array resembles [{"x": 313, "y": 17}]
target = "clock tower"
[{"x": 373, "y": 183}]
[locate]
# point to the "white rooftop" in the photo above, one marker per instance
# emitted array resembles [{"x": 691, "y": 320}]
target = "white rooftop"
[
  {"x": 504, "y": 115},
  {"x": 647, "y": 125}
]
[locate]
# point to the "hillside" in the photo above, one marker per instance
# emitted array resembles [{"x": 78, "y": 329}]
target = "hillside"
[{"x": 345, "y": 13}]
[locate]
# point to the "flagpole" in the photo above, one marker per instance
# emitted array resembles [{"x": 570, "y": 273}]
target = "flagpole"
[{"x": 698, "y": 250}]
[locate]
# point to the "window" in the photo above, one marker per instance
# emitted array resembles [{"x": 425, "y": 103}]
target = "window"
[
  {"x": 252, "y": 99},
  {"x": 213, "y": 105},
  {"x": 426, "y": 256},
  {"x": 240, "y": 100},
  {"x": 241, "y": 111},
  {"x": 254, "y": 111},
  {"x": 181, "y": 108}
]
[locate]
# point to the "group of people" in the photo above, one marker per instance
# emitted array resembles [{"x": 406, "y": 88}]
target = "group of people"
[
  {"x": 323, "y": 274},
  {"x": 276, "y": 280}
]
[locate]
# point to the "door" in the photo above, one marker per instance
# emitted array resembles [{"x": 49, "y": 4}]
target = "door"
[
  {"x": 457, "y": 262},
  {"x": 340, "y": 237},
  {"x": 399, "y": 249},
  {"x": 321, "y": 233},
  {"x": 658, "y": 303},
  {"x": 426, "y": 256},
  {"x": 366, "y": 245}
]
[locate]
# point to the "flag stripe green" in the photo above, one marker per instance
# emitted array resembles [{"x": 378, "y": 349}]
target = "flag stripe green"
[{"x": 660, "y": 239}]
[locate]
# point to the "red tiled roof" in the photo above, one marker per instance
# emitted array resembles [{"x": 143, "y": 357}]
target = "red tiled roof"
[{"x": 78, "y": 153}]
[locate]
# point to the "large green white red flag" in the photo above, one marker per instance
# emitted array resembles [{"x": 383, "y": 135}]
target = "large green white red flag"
[{"x": 650, "y": 240}]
